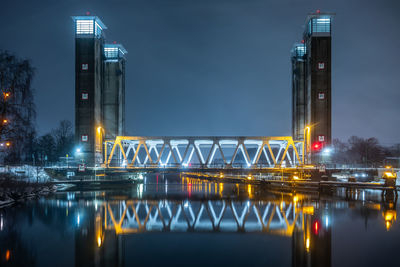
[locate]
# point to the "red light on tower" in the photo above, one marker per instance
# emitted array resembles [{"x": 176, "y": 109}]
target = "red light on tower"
[
  {"x": 87, "y": 13},
  {"x": 318, "y": 11},
  {"x": 317, "y": 146}
]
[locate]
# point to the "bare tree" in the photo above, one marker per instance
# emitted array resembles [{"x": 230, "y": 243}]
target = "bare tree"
[
  {"x": 366, "y": 151},
  {"x": 45, "y": 147},
  {"x": 340, "y": 152},
  {"x": 64, "y": 138},
  {"x": 17, "y": 108}
]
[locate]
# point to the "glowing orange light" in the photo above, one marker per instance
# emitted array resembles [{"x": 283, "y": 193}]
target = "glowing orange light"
[
  {"x": 7, "y": 255},
  {"x": 8, "y": 144},
  {"x": 5, "y": 121}
]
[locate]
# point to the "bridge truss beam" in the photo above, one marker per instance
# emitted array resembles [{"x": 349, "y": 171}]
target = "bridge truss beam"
[{"x": 203, "y": 152}]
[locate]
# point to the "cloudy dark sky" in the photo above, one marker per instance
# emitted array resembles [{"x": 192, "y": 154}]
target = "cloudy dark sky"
[{"x": 216, "y": 67}]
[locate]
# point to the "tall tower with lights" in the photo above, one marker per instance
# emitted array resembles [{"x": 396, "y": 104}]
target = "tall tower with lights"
[
  {"x": 311, "y": 81},
  {"x": 89, "y": 47},
  {"x": 99, "y": 89},
  {"x": 299, "y": 95},
  {"x": 114, "y": 90}
]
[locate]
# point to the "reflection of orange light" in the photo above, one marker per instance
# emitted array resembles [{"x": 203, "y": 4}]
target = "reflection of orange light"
[
  {"x": 7, "y": 255},
  {"x": 190, "y": 189},
  {"x": 390, "y": 218},
  {"x": 308, "y": 243},
  {"x": 249, "y": 190},
  {"x": 98, "y": 241},
  {"x": 308, "y": 210}
]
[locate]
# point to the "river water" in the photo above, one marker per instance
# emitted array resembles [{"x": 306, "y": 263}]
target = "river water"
[{"x": 180, "y": 221}]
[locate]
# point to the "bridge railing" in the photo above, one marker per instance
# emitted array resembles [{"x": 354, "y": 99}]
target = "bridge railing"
[{"x": 203, "y": 152}]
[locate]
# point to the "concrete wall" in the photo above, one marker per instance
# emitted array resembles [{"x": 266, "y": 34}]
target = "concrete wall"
[
  {"x": 88, "y": 112},
  {"x": 320, "y": 83},
  {"x": 299, "y": 97},
  {"x": 114, "y": 98}
]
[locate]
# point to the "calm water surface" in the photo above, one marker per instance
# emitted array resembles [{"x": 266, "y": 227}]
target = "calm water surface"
[{"x": 179, "y": 221}]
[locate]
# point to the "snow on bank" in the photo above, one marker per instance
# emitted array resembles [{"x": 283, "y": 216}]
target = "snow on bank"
[{"x": 27, "y": 173}]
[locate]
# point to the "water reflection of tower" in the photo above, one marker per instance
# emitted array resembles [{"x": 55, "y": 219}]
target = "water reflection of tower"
[
  {"x": 312, "y": 245},
  {"x": 95, "y": 246}
]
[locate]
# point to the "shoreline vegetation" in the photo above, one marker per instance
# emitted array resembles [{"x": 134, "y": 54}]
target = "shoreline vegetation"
[{"x": 13, "y": 190}]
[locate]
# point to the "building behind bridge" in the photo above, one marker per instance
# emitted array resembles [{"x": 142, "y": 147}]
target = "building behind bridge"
[
  {"x": 99, "y": 88},
  {"x": 311, "y": 83}
]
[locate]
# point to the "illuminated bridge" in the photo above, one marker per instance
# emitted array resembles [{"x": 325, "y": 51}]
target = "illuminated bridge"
[{"x": 134, "y": 152}]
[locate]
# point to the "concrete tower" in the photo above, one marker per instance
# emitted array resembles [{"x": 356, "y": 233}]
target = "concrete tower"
[
  {"x": 312, "y": 83},
  {"x": 114, "y": 90},
  {"x": 89, "y": 57},
  {"x": 299, "y": 95}
]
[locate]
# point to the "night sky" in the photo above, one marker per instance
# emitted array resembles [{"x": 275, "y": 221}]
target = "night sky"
[{"x": 216, "y": 67}]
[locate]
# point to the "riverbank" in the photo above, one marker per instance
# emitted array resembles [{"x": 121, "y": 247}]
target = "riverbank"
[{"x": 13, "y": 190}]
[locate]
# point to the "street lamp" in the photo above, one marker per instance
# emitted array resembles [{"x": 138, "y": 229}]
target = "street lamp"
[
  {"x": 327, "y": 151},
  {"x": 6, "y": 95},
  {"x": 307, "y": 139}
]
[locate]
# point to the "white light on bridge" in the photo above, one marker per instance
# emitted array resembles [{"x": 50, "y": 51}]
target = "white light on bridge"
[{"x": 327, "y": 151}]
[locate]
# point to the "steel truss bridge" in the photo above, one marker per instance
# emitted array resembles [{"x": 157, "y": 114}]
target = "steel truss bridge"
[
  {"x": 136, "y": 152},
  {"x": 137, "y": 216}
]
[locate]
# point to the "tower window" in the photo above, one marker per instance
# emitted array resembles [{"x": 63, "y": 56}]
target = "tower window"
[
  {"x": 85, "y": 96},
  {"x": 84, "y": 26},
  {"x": 321, "y": 65},
  {"x": 84, "y": 138},
  {"x": 321, "y": 138},
  {"x": 321, "y": 96},
  {"x": 321, "y": 24},
  {"x": 85, "y": 66}
]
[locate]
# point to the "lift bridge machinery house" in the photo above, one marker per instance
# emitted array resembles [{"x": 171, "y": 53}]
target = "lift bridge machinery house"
[{"x": 137, "y": 152}]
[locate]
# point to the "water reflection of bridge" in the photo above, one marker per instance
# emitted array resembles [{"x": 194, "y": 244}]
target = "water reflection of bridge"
[
  {"x": 135, "y": 216},
  {"x": 308, "y": 226},
  {"x": 105, "y": 231},
  {"x": 190, "y": 205}
]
